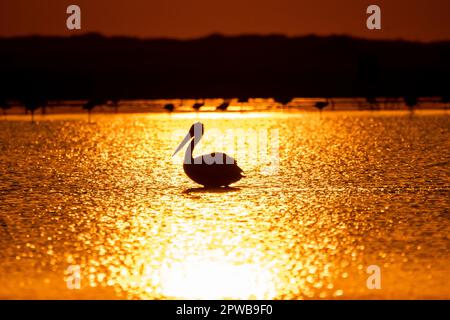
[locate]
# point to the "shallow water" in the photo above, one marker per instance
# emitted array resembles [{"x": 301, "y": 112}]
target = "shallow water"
[{"x": 323, "y": 199}]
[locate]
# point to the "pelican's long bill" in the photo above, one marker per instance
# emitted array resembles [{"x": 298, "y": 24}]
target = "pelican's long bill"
[{"x": 185, "y": 140}]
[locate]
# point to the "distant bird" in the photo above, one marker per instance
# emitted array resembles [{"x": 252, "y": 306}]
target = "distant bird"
[
  {"x": 90, "y": 105},
  {"x": 198, "y": 105},
  {"x": 169, "y": 107},
  {"x": 223, "y": 106},
  {"x": 321, "y": 104},
  {"x": 284, "y": 100},
  {"x": 411, "y": 102},
  {"x": 33, "y": 104},
  {"x": 211, "y": 170}
]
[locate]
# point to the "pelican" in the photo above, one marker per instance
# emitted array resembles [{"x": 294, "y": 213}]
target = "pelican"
[
  {"x": 210, "y": 170},
  {"x": 321, "y": 104}
]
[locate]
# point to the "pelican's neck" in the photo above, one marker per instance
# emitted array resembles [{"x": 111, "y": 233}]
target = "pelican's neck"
[{"x": 188, "y": 156}]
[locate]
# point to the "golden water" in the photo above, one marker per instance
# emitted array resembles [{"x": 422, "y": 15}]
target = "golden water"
[{"x": 350, "y": 190}]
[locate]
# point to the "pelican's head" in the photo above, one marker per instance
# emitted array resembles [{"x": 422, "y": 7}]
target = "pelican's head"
[{"x": 196, "y": 131}]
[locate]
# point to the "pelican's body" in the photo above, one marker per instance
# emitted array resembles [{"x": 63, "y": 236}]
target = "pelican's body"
[
  {"x": 213, "y": 175},
  {"x": 210, "y": 170}
]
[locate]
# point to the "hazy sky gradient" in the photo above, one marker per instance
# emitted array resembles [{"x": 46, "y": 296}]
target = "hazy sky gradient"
[{"x": 408, "y": 19}]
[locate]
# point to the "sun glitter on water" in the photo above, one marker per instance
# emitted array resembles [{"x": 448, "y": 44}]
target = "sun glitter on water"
[{"x": 195, "y": 278}]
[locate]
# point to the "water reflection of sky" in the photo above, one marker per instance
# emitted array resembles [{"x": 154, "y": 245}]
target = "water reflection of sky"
[{"x": 352, "y": 190}]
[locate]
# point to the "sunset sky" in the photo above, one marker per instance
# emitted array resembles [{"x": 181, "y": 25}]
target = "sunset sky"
[{"x": 408, "y": 19}]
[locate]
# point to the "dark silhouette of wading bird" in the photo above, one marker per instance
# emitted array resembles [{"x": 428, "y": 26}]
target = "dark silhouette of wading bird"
[
  {"x": 322, "y": 105},
  {"x": 411, "y": 102},
  {"x": 284, "y": 100},
  {"x": 90, "y": 105},
  {"x": 169, "y": 107},
  {"x": 210, "y": 170},
  {"x": 198, "y": 105},
  {"x": 223, "y": 106},
  {"x": 32, "y": 104}
]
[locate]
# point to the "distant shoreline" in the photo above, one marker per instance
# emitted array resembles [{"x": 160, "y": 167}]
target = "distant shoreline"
[{"x": 92, "y": 66}]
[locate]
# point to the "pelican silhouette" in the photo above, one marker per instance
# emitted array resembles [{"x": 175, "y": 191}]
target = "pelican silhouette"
[{"x": 210, "y": 170}]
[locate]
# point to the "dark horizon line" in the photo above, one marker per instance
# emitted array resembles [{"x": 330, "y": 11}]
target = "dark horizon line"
[{"x": 219, "y": 35}]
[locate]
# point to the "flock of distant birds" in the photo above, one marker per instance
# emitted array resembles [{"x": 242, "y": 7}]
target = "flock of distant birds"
[
  {"x": 32, "y": 105},
  {"x": 197, "y": 105}
]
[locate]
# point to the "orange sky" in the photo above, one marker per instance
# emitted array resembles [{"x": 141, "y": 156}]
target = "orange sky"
[{"x": 424, "y": 20}]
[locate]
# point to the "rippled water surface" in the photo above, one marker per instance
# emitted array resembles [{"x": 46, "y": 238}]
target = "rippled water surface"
[{"x": 322, "y": 200}]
